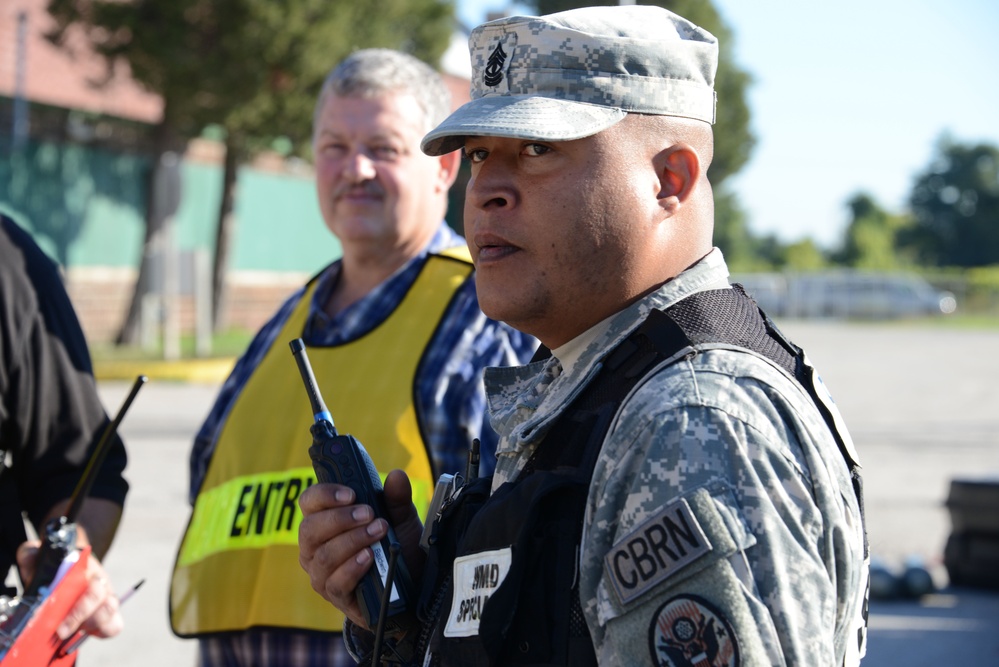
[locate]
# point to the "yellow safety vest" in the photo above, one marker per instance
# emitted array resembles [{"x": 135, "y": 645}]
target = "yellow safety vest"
[{"x": 237, "y": 566}]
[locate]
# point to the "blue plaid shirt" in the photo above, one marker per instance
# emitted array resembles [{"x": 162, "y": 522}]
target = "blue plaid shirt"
[{"x": 450, "y": 402}]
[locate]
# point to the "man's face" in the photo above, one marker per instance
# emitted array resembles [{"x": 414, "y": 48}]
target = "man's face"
[
  {"x": 376, "y": 189},
  {"x": 561, "y": 232}
]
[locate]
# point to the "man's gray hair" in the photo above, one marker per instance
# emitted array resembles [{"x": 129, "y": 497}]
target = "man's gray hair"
[{"x": 373, "y": 72}]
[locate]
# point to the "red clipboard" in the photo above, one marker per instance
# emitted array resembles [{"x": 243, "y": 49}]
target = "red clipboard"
[{"x": 38, "y": 645}]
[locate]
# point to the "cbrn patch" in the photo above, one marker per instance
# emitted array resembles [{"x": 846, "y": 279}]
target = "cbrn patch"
[
  {"x": 655, "y": 550},
  {"x": 687, "y": 631}
]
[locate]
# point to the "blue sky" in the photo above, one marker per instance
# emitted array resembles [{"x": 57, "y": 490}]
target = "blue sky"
[{"x": 850, "y": 96}]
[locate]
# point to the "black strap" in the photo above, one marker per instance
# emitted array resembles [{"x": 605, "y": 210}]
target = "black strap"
[
  {"x": 731, "y": 317},
  {"x": 726, "y": 316},
  {"x": 723, "y": 316}
]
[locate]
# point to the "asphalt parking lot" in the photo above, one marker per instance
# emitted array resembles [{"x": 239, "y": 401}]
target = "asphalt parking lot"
[{"x": 921, "y": 402}]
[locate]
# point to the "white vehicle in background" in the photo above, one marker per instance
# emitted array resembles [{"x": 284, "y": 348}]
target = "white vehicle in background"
[{"x": 846, "y": 293}]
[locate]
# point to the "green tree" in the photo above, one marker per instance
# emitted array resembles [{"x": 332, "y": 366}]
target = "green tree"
[
  {"x": 734, "y": 140},
  {"x": 803, "y": 255},
  {"x": 253, "y": 67},
  {"x": 743, "y": 251},
  {"x": 871, "y": 237},
  {"x": 955, "y": 207}
]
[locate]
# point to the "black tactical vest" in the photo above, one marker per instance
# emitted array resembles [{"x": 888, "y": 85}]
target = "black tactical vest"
[{"x": 534, "y": 617}]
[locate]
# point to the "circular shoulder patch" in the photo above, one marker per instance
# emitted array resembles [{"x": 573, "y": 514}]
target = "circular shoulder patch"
[{"x": 687, "y": 631}]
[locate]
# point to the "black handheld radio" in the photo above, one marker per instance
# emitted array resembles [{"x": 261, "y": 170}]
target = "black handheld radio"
[{"x": 342, "y": 459}]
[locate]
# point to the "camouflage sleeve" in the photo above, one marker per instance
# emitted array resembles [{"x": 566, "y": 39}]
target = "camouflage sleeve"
[{"x": 705, "y": 541}]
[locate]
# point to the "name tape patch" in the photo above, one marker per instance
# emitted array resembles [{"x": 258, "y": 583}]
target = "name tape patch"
[
  {"x": 476, "y": 577},
  {"x": 655, "y": 550}
]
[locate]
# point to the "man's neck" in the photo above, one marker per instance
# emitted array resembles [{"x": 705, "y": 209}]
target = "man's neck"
[{"x": 362, "y": 272}]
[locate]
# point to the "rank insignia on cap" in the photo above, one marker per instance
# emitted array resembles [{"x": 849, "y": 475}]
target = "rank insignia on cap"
[
  {"x": 493, "y": 74},
  {"x": 688, "y": 631},
  {"x": 573, "y": 74}
]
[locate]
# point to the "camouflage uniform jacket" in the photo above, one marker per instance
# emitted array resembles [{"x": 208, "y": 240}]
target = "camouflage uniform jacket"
[{"x": 721, "y": 526}]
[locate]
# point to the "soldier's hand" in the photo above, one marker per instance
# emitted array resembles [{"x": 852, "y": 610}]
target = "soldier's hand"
[{"x": 335, "y": 537}]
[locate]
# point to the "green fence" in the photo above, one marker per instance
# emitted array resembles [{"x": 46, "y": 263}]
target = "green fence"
[{"x": 86, "y": 208}]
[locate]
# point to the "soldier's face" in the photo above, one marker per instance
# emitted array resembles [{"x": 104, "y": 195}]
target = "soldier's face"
[{"x": 557, "y": 229}]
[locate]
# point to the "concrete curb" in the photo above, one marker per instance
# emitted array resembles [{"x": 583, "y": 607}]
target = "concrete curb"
[{"x": 198, "y": 371}]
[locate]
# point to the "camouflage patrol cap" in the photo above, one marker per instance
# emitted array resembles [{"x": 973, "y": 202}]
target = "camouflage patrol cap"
[{"x": 573, "y": 74}]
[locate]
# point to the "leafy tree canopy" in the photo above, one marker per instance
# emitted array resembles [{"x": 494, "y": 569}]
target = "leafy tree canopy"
[
  {"x": 251, "y": 66},
  {"x": 871, "y": 237},
  {"x": 955, "y": 207},
  {"x": 803, "y": 255}
]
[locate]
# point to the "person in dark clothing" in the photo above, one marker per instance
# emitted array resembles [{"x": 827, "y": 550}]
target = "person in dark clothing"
[{"x": 51, "y": 419}]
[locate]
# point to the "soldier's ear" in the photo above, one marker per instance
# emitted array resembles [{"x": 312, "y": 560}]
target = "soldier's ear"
[{"x": 679, "y": 170}]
